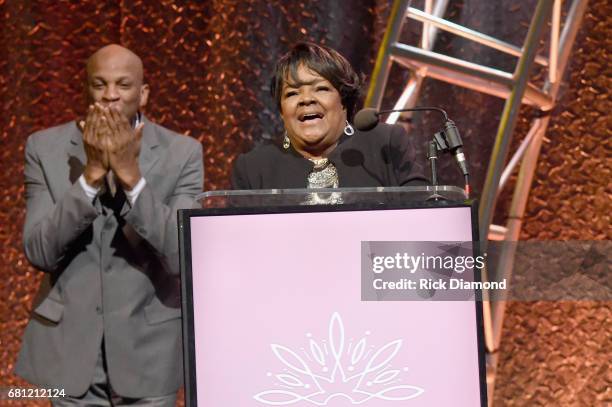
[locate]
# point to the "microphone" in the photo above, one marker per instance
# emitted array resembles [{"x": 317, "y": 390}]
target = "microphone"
[
  {"x": 447, "y": 139},
  {"x": 366, "y": 119}
]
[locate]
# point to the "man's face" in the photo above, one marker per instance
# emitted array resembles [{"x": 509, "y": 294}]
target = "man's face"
[{"x": 114, "y": 79}]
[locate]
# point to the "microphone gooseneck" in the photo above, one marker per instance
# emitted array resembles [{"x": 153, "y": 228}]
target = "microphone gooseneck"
[
  {"x": 367, "y": 118},
  {"x": 418, "y": 109}
]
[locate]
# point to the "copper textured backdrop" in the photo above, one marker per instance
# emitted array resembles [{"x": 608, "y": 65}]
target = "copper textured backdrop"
[{"x": 208, "y": 65}]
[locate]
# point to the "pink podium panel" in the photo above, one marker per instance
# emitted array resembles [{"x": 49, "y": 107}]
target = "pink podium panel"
[{"x": 275, "y": 317}]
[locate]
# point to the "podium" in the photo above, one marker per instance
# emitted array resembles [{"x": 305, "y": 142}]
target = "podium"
[{"x": 275, "y": 311}]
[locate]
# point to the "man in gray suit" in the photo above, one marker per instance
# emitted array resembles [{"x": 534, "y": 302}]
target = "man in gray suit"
[{"x": 102, "y": 196}]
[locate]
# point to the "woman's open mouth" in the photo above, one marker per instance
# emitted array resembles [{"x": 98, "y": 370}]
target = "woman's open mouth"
[{"x": 311, "y": 117}]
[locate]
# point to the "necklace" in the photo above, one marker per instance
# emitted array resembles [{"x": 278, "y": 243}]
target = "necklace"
[{"x": 323, "y": 175}]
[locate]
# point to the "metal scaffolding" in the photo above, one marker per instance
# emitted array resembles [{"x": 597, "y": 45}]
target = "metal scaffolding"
[{"x": 514, "y": 87}]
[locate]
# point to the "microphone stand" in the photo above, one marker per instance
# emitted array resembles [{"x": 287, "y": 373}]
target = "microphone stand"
[{"x": 432, "y": 156}]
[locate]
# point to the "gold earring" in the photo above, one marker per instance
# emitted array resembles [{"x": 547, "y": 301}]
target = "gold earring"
[{"x": 286, "y": 142}]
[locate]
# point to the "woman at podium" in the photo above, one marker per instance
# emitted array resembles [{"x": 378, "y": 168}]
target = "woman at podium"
[{"x": 316, "y": 90}]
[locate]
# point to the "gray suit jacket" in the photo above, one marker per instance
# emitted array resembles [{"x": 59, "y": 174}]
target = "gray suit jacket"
[{"x": 111, "y": 270}]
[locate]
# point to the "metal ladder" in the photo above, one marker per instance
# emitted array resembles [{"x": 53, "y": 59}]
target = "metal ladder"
[{"x": 514, "y": 87}]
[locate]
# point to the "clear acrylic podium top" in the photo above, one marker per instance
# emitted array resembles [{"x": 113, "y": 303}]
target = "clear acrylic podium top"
[{"x": 329, "y": 196}]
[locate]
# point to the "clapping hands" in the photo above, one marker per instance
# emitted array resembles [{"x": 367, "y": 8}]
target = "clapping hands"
[{"x": 111, "y": 143}]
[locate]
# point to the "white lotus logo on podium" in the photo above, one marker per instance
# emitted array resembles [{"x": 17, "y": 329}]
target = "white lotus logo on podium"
[{"x": 332, "y": 369}]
